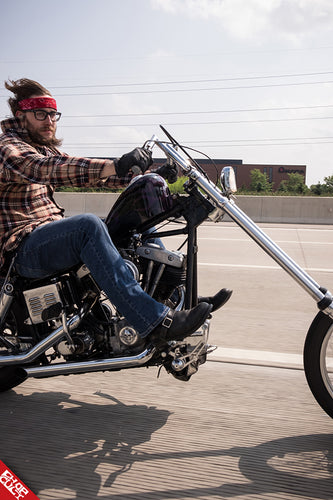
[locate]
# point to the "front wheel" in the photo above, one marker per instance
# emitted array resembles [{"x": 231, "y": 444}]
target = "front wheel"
[{"x": 318, "y": 361}]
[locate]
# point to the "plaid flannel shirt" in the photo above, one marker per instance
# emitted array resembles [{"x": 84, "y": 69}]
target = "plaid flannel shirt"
[{"x": 28, "y": 175}]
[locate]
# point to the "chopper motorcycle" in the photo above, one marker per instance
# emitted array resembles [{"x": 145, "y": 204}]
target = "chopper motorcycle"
[{"x": 64, "y": 324}]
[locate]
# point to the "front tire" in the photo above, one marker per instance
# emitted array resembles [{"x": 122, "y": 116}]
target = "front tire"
[{"x": 318, "y": 361}]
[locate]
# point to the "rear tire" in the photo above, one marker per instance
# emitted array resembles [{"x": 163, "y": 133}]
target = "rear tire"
[
  {"x": 11, "y": 376},
  {"x": 318, "y": 361}
]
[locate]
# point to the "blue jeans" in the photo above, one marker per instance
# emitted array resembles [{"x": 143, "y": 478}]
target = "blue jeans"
[{"x": 59, "y": 245}]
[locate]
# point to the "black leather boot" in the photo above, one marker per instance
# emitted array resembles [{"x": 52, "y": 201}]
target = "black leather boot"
[
  {"x": 180, "y": 324},
  {"x": 218, "y": 300}
]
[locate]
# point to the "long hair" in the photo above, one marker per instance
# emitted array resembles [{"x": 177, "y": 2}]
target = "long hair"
[{"x": 23, "y": 89}]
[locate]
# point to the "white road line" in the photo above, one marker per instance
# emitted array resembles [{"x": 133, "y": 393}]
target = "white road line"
[
  {"x": 276, "y": 241},
  {"x": 250, "y": 266},
  {"x": 272, "y": 228},
  {"x": 260, "y": 358},
  {"x": 251, "y": 357}
]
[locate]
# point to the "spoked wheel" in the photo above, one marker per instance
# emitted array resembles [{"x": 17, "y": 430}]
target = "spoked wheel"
[{"x": 318, "y": 361}]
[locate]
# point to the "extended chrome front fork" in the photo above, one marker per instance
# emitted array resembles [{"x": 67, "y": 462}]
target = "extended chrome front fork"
[{"x": 322, "y": 296}]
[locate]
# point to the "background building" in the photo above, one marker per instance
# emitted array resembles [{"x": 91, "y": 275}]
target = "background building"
[{"x": 275, "y": 173}]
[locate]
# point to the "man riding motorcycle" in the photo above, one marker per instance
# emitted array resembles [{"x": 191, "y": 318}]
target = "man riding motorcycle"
[{"x": 33, "y": 226}]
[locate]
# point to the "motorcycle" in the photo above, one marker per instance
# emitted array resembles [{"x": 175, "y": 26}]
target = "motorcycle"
[{"x": 65, "y": 324}]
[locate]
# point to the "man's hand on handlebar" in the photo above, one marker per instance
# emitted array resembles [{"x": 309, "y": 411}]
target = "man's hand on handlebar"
[
  {"x": 139, "y": 157},
  {"x": 168, "y": 171}
]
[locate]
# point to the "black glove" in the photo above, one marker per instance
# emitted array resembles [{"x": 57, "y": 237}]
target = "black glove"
[
  {"x": 138, "y": 157},
  {"x": 169, "y": 172}
]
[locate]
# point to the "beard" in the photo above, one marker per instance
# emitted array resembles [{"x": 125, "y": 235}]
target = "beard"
[{"x": 39, "y": 140}]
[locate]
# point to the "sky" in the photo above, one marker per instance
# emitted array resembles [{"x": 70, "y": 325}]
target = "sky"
[{"x": 236, "y": 79}]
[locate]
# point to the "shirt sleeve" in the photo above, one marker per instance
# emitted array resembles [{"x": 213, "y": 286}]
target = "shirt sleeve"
[{"x": 22, "y": 163}]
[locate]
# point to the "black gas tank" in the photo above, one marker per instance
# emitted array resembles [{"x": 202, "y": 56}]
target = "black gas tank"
[{"x": 146, "y": 196}]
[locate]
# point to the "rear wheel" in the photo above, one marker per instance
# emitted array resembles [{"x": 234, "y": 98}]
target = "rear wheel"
[
  {"x": 21, "y": 337},
  {"x": 11, "y": 376},
  {"x": 318, "y": 361}
]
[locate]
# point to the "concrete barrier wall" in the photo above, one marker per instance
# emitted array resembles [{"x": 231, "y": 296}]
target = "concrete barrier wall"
[
  {"x": 79, "y": 203},
  {"x": 286, "y": 209}
]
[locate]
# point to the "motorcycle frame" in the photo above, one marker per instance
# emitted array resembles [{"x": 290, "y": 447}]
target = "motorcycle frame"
[
  {"x": 194, "y": 209},
  {"x": 224, "y": 202}
]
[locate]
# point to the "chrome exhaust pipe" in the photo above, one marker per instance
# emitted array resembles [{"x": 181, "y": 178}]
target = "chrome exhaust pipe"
[
  {"x": 98, "y": 365},
  {"x": 42, "y": 346}
]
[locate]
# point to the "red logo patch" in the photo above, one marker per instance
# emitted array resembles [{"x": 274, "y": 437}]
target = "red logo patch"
[{"x": 11, "y": 488}]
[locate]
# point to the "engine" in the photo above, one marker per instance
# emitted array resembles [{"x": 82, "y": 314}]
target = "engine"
[
  {"x": 163, "y": 271},
  {"x": 162, "y": 275}
]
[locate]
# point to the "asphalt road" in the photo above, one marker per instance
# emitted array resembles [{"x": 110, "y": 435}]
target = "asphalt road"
[
  {"x": 232, "y": 432},
  {"x": 268, "y": 310},
  {"x": 235, "y": 431}
]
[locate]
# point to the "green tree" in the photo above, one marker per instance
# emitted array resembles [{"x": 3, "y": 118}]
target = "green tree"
[
  {"x": 178, "y": 186},
  {"x": 317, "y": 189},
  {"x": 259, "y": 182},
  {"x": 294, "y": 185},
  {"x": 325, "y": 189},
  {"x": 328, "y": 184}
]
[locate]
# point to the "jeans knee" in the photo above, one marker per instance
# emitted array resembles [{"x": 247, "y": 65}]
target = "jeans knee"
[
  {"x": 89, "y": 222},
  {"x": 92, "y": 227}
]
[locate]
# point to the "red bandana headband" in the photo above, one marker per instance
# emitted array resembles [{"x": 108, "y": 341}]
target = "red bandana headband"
[{"x": 37, "y": 103}]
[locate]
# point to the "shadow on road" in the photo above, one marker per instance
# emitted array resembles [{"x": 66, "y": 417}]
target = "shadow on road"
[{"x": 52, "y": 441}]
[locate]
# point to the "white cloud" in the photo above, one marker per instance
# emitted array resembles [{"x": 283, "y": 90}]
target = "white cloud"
[{"x": 253, "y": 18}]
